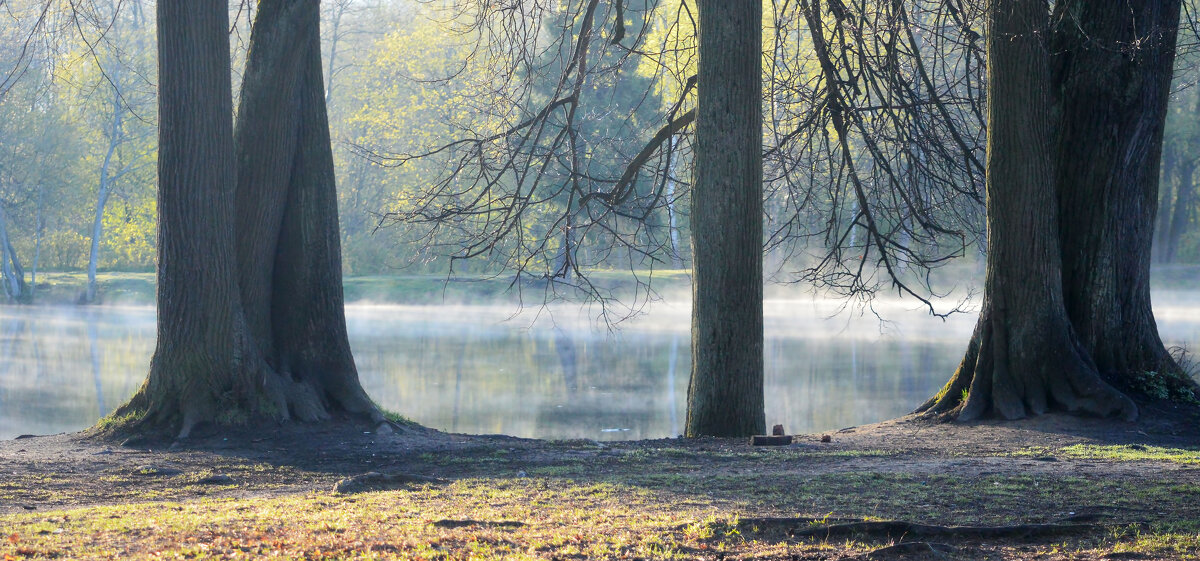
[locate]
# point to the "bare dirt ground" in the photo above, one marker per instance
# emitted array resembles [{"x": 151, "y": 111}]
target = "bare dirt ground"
[{"x": 1052, "y": 487}]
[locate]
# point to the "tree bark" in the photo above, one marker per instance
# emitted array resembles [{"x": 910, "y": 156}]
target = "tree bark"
[
  {"x": 204, "y": 363},
  {"x": 1113, "y": 68},
  {"x": 251, "y": 322},
  {"x": 725, "y": 395},
  {"x": 1024, "y": 356}
]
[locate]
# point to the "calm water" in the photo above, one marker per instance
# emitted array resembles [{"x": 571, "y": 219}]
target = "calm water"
[{"x": 466, "y": 369}]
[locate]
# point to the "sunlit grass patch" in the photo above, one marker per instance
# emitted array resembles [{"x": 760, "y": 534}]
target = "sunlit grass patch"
[{"x": 1133, "y": 452}]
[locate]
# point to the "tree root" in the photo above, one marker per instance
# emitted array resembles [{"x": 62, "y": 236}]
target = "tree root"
[
  {"x": 897, "y": 529},
  {"x": 926, "y": 549}
]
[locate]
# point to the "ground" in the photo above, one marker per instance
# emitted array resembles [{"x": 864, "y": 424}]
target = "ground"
[{"x": 1052, "y": 487}]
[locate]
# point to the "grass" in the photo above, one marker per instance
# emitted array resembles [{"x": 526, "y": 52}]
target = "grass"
[{"x": 555, "y": 501}]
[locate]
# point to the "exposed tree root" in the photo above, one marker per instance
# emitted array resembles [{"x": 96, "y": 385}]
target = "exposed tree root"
[
  {"x": 897, "y": 529},
  {"x": 1014, "y": 369}
]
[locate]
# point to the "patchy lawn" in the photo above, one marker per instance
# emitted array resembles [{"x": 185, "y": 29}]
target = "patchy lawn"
[{"x": 1054, "y": 487}]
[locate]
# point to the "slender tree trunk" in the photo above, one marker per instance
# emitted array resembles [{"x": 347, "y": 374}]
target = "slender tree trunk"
[
  {"x": 37, "y": 244},
  {"x": 725, "y": 394},
  {"x": 1170, "y": 170},
  {"x": 1113, "y": 67},
  {"x": 103, "y": 190},
  {"x": 11, "y": 272},
  {"x": 1024, "y": 356},
  {"x": 1185, "y": 198}
]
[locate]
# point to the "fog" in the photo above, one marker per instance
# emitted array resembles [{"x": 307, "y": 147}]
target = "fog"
[{"x": 548, "y": 372}]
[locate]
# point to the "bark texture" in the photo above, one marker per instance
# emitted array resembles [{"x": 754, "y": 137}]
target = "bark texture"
[
  {"x": 725, "y": 395},
  {"x": 1024, "y": 356},
  {"x": 203, "y": 362},
  {"x": 251, "y": 322},
  {"x": 1113, "y": 68}
]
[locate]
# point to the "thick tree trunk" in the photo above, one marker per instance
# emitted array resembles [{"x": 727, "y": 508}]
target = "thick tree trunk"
[
  {"x": 1023, "y": 357},
  {"x": 1113, "y": 67},
  {"x": 288, "y": 237},
  {"x": 311, "y": 339},
  {"x": 725, "y": 395},
  {"x": 251, "y": 322},
  {"x": 204, "y": 363}
]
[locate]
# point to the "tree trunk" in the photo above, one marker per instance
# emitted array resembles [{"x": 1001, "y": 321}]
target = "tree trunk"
[
  {"x": 204, "y": 364},
  {"x": 725, "y": 395},
  {"x": 251, "y": 322},
  {"x": 11, "y": 272},
  {"x": 1185, "y": 198},
  {"x": 1113, "y": 69},
  {"x": 1166, "y": 197},
  {"x": 115, "y": 138},
  {"x": 289, "y": 240},
  {"x": 1023, "y": 357}
]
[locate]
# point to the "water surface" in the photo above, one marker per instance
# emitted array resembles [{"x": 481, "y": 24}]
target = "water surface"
[{"x": 471, "y": 369}]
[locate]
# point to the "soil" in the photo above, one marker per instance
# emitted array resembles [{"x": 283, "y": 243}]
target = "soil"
[{"x": 67, "y": 471}]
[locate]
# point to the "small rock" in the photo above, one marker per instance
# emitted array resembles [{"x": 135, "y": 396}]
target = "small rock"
[
  {"x": 219, "y": 479},
  {"x": 384, "y": 429},
  {"x": 826, "y": 438}
]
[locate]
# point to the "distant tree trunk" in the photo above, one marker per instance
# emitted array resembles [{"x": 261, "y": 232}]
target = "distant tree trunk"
[
  {"x": 725, "y": 395},
  {"x": 250, "y": 303},
  {"x": 11, "y": 272},
  {"x": 39, "y": 228},
  {"x": 1185, "y": 195},
  {"x": 1114, "y": 68},
  {"x": 103, "y": 190},
  {"x": 1166, "y": 198},
  {"x": 1024, "y": 355}
]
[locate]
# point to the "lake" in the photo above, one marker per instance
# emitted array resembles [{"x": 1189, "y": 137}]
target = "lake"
[{"x": 475, "y": 369}]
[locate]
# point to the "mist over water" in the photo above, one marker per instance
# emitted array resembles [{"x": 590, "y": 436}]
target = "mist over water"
[{"x": 476, "y": 369}]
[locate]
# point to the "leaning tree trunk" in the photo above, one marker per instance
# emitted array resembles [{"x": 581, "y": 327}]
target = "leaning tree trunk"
[
  {"x": 1023, "y": 357},
  {"x": 1114, "y": 74},
  {"x": 204, "y": 363},
  {"x": 725, "y": 395},
  {"x": 289, "y": 240}
]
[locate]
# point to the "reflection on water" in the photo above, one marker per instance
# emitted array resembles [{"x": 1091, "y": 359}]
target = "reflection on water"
[{"x": 465, "y": 369}]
